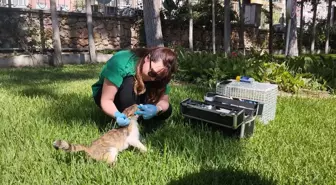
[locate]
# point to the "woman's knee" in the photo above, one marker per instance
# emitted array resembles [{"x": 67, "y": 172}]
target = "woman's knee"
[{"x": 165, "y": 115}]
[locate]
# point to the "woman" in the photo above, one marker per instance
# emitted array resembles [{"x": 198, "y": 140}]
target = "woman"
[{"x": 136, "y": 76}]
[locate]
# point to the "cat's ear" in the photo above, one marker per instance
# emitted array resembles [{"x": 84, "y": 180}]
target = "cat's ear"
[{"x": 130, "y": 111}]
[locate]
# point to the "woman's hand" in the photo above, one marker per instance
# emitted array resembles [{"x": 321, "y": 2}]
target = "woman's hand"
[
  {"x": 121, "y": 119},
  {"x": 147, "y": 111}
]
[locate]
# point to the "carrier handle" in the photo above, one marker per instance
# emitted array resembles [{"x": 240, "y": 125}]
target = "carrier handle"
[
  {"x": 195, "y": 107},
  {"x": 223, "y": 114},
  {"x": 250, "y": 119},
  {"x": 192, "y": 106}
]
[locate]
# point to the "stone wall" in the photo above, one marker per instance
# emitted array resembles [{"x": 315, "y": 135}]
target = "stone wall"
[
  {"x": 33, "y": 30},
  {"x": 179, "y": 35}
]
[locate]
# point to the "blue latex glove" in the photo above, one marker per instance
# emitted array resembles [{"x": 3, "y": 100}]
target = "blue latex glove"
[
  {"x": 147, "y": 111},
  {"x": 121, "y": 119}
]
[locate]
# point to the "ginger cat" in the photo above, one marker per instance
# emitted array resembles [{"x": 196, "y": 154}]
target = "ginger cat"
[{"x": 107, "y": 147}]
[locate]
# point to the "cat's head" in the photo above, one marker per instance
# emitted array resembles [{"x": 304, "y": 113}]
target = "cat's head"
[{"x": 130, "y": 111}]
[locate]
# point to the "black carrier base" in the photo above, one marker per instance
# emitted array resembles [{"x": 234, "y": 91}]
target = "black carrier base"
[{"x": 235, "y": 116}]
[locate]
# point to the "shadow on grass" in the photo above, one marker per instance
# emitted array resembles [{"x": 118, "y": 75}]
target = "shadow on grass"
[
  {"x": 68, "y": 108},
  {"x": 64, "y": 107},
  {"x": 222, "y": 176},
  {"x": 200, "y": 143},
  {"x": 31, "y": 76}
]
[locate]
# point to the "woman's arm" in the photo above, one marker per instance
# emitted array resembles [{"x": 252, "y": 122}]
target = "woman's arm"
[
  {"x": 163, "y": 103},
  {"x": 107, "y": 98}
]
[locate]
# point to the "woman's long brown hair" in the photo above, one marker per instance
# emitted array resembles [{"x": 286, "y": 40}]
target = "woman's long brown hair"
[{"x": 157, "y": 88}]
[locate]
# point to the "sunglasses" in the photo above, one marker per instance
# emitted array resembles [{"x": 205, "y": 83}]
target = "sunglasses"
[{"x": 153, "y": 73}]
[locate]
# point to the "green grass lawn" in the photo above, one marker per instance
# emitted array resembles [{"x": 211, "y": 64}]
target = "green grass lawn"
[{"x": 41, "y": 105}]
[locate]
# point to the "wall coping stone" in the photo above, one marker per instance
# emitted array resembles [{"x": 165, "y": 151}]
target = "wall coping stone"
[{"x": 62, "y": 13}]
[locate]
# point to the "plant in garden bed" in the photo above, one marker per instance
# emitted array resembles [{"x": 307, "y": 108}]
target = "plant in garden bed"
[{"x": 291, "y": 74}]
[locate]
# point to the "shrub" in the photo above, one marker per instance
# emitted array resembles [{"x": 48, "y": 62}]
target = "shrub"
[{"x": 291, "y": 74}]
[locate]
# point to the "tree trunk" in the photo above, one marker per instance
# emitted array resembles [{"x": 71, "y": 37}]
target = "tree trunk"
[
  {"x": 57, "y": 55},
  {"x": 242, "y": 27},
  {"x": 312, "y": 47},
  {"x": 153, "y": 30},
  {"x": 301, "y": 27},
  {"x": 191, "y": 40},
  {"x": 134, "y": 4},
  {"x": 328, "y": 27},
  {"x": 270, "y": 39},
  {"x": 213, "y": 27},
  {"x": 293, "y": 45},
  {"x": 92, "y": 47},
  {"x": 227, "y": 27}
]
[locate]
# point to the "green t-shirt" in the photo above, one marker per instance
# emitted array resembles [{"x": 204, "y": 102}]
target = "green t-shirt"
[{"x": 122, "y": 64}]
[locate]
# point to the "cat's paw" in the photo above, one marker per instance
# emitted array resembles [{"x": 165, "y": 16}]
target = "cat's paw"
[
  {"x": 112, "y": 164},
  {"x": 60, "y": 144},
  {"x": 56, "y": 144},
  {"x": 144, "y": 150}
]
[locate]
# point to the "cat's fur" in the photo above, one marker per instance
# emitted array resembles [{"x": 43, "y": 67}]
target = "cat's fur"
[{"x": 107, "y": 147}]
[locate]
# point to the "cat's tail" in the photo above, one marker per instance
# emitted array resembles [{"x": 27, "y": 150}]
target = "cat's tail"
[{"x": 68, "y": 147}]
